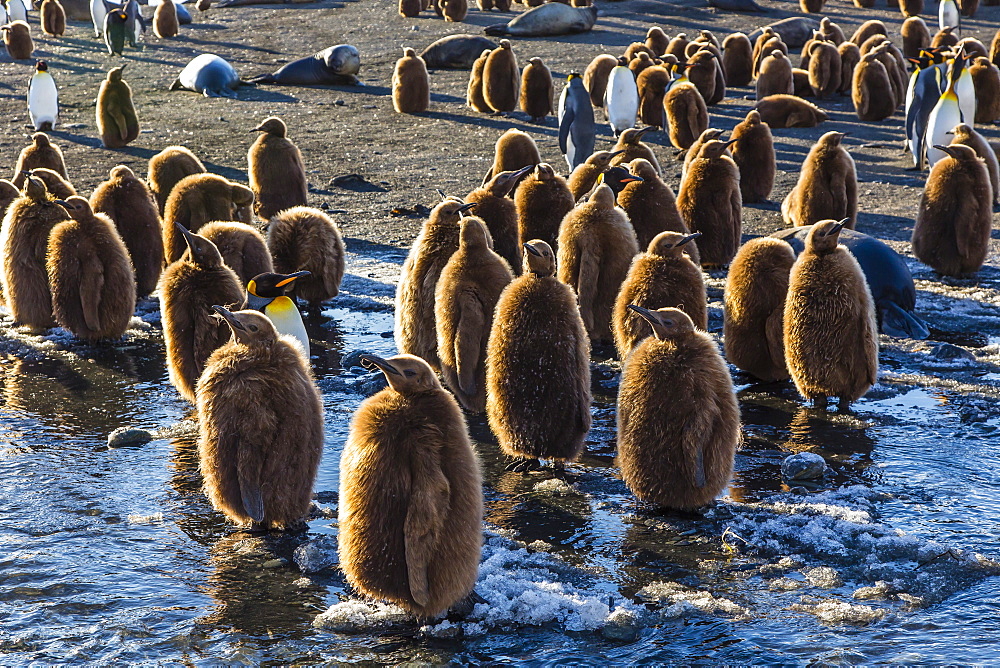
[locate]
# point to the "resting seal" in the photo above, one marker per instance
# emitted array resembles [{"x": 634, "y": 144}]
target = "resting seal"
[
  {"x": 794, "y": 31},
  {"x": 552, "y": 18},
  {"x": 209, "y": 75},
  {"x": 888, "y": 279},
  {"x": 456, "y": 52},
  {"x": 334, "y": 65}
]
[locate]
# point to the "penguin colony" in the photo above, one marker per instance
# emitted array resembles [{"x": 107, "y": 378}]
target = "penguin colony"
[{"x": 505, "y": 291}]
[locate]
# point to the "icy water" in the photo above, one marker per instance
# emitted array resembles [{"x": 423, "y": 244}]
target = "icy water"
[{"x": 115, "y": 555}]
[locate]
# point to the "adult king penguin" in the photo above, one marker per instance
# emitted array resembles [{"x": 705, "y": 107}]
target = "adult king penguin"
[
  {"x": 621, "y": 101},
  {"x": 922, "y": 95},
  {"x": 945, "y": 115},
  {"x": 267, "y": 293},
  {"x": 576, "y": 122},
  {"x": 43, "y": 98},
  {"x": 948, "y": 15}
]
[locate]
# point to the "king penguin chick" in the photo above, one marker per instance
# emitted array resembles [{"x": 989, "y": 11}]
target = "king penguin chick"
[
  {"x": 499, "y": 214},
  {"x": 277, "y": 173},
  {"x": 260, "y": 426},
  {"x": 306, "y": 239},
  {"x": 576, "y": 122},
  {"x": 411, "y": 498},
  {"x": 411, "y": 85},
  {"x": 964, "y": 134},
  {"x": 595, "y": 77},
  {"x": 596, "y": 247},
  {"x": 196, "y": 200},
  {"x": 167, "y": 168},
  {"x": 753, "y": 153},
  {"x": 585, "y": 175},
  {"x": 268, "y": 292},
  {"x": 709, "y": 201},
  {"x": 543, "y": 199},
  {"x": 242, "y": 248},
  {"x": 652, "y": 85},
  {"x": 8, "y": 193},
  {"x": 775, "y": 77},
  {"x": 415, "y": 331},
  {"x": 128, "y": 203},
  {"x": 188, "y": 289},
  {"x": 630, "y": 147},
  {"x": 952, "y": 231},
  {"x": 662, "y": 276},
  {"x": 651, "y": 207},
  {"x": 536, "y": 90},
  {"x": 464, "y": 301},
  {"x": 621, "y": 100},
  {"x": 686, "y": 114},
  {"x": 678, "y": 418},
  {"x": 117, "y": 120},
  {"x": 871, "y": 89},
  {"x": 52, "y": 18},
  {"x": 90, "y": 274},
  {"x": 829, "y": 308},
  {"x": 43, "y": 98},
  {"x": 827, "y": 187},
  {"x": 501, "y": 79},
  {"x": 737, "y": 59},
  {"x": 514, "y": 150},
  {"x": 538, "y": 366},
  {"x": 692, "y": 153},
  {"x": 754, "y": 305},
  {"x": 474, "y": 92},
  {"x": 24, "y": 238},
  {"x": 165, "y": 24},
  {"x": 41, "y": 153},
  {"x": 17, "y": 40}
]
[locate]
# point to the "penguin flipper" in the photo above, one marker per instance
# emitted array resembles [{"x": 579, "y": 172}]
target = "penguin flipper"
[
  {"x": 430, "y": 500},
  {"x": 586, "y": 286},
  {"x": 91, "y": 285},
  {"x": 471, "y": 324},
  {"x": 564, "y": 125},
  {"x": 774, "y": 333},
  {"x": 250, "y": 494},
  {"x": 900, "y": 323}
]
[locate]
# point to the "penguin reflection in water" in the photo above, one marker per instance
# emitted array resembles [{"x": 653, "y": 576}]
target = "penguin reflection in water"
[{"x": 260, "y": 418}]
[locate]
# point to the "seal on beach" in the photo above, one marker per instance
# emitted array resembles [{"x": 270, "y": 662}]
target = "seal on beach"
[
  {"x": 552, "y": 18},
  {"x": 456, "y": 52},
  {"x": 209, "y": 75},
  {"x": 334, "y": 65}
]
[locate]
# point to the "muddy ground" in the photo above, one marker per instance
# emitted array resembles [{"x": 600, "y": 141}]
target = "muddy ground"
[{"x": 403, "y": 159}]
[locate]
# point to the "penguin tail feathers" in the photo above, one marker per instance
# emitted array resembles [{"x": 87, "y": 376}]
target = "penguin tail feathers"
[
  {"x": 496, "y": 30},
  {"x": 900, "y": 323}
]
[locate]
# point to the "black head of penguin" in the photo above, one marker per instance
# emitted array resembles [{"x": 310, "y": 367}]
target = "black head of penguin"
[{"x": 617, "y": 178}]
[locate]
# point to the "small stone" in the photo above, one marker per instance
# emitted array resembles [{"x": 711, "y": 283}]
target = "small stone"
[
  {"x": 823, "y": 577},
  {"x": 803, "y": 466},
  {"x": 340, "y": 103},
  {"x": 316, "y": 555},
  {"x": 621, "y": 625},
  {"x": 370, "y": 384},
  {"x": 128, "y": 436},
  {"x": 275, "y": 563},
  {"x": 881, "y": 591},
  {"x": 949, "y": 351}
]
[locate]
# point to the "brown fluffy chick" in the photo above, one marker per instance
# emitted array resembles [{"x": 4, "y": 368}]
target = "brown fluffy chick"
[
  {"x": 411, "y": 498},
  {"x": 306, "y": 239},
  {"x": 827, "y": 187},
  {"x": 260, "y": 425},
  {"x": 277, "y": 173},
  {"x": 710, "y": 202},
  {"x": 242, "y": 248},
  {"x": 631, "y": 146},
  {"x": 542, "y": 199},
  {"x": 652, "y": 208},
  {"x": 499, "y": 213},
  {"x": 678, "y": 418},
  {"x": 196, "y": 200},
  {"x": 584, "y": 177},
  {"x": 40, "y": 153},
  {"x": 662, "y": 276}
]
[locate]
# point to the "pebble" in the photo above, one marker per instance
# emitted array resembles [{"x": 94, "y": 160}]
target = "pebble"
[
  {"x": 275, "y": 563},
  {"x": 621, "y": 625},
  {"x": 370, "y": 384},
  {"x": 949, "y": 351},
  {"x": 128, "y": 436},
  {"x": 803, "y": 466}
]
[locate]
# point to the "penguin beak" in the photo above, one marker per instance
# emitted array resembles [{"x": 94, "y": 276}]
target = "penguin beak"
[
  {"x": 688, "y": 238},
  {"x": 229, "y": 318},
  {"x": 369, "y": 361},
  {"x": 837, "y": 227},
  {"x": 642, "y": 133},
  {"x": 466, "y": 207},
  {"x": 614, "y": 153},
  {"x": 643, "y": 313},
  {"x": 289, "y": 278},
  {"x": 631, "y": 179},
  {"x": 188, "y": 234},
  {"x": 731, "y": 142},
  {"x": 521, "y": 172},
  {"x": 531, "y": 249},
  {"x": 946, "y": 149},
  {"x": 60, "y": 202}
]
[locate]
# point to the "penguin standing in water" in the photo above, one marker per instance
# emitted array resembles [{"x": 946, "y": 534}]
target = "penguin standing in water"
[
  {"x": 945, "y": 115},
  {"x": 267, "y": 293},
  {"x": 43, "y": 98},
  {"x": 260, "y": 426},
  {"x": 576, "y": 122},
  {"x": 621, "y": 100},
  {"x": 411, "y": 495}
]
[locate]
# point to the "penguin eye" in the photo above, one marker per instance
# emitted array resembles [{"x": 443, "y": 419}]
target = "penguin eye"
[
  {"x": 409, "y": 374},
  {"x": 252, "y": 328}
]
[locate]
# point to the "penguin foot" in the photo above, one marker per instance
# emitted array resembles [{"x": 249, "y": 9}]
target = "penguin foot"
[
  {"x": 844, "y": 405},
  {"x": 819, "y": 402},
  {"x": 524, "y": 465},
  {"x": 464, "y": 608}
]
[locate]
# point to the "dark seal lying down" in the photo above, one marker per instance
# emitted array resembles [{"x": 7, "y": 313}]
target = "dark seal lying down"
[{"x": 334, "y": 65}]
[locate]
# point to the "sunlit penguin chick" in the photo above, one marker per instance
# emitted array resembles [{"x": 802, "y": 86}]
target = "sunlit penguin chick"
[
  {"x": 678, "y": 418},
  {"x": 411, "y": 501},
  {"x": 268, "y": 293},
  {"x": 260, "y": 420}
]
